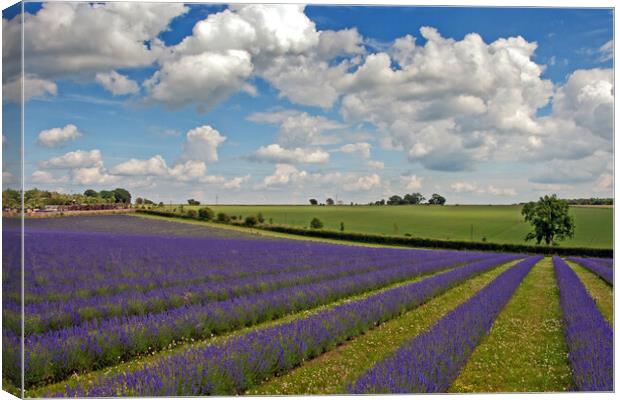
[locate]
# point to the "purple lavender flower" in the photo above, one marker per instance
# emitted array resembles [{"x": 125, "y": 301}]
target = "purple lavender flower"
[
  {"x": 246, "y": 360},
  {"x": 431, "y": 361},
  {"x": 597, "y": 266},
  {"x": 588, "y": 334}
]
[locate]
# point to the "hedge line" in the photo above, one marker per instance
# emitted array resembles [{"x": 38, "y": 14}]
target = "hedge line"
[{"x": 420, "y": 242}]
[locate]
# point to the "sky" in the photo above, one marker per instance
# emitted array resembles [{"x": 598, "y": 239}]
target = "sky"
[{"x": 278, "y": 104}]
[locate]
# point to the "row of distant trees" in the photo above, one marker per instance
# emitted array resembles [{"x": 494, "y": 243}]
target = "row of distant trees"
[
  {"x": 36, "y": 198},
  {"x": 395, "y": 200},
  {"x": 592, "y": 201},
  {"x": 411, "y": 198}
]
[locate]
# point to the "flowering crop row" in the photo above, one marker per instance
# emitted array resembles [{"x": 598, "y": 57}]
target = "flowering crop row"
[
  {"x": 43, "y": 316},
  {"x": 64, "y": 265},
  {"x": 431, "y": 361},
  {"x": 588, "y": 334},
  {"x": 55, "y": 354},
  {"x": 248, "y": 359},
  {"x": 597, "y": 267}
]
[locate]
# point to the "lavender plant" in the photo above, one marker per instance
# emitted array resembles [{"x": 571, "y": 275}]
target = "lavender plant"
[
  {"x": 56, "y": 354},
  {"x": 596, "y": 266},
  {"x": 431, "y": 361},
  {"x": 248, "y": 359},
  {"x": 588, "y": 335}
]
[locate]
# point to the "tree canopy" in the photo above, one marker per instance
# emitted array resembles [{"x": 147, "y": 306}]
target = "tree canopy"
[
  {"x": 550, "y": 220},
  {"x": 437, "y": 199},
  {"x": 37, "y": 198}
]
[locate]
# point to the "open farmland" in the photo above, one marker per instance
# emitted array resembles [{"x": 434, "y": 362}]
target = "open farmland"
[
  {"x": 121, "y": 305},
  {"x": 497, "y": 223}
]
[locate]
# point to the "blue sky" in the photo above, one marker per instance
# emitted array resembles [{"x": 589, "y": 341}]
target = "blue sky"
[{"x": 277, "y": 104}]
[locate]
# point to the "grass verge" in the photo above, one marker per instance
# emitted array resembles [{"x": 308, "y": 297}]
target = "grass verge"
[
  {"x": 601, "y": 292},
  {"x": 330, "y": 373},
  {"x": 525, "y": 350}
]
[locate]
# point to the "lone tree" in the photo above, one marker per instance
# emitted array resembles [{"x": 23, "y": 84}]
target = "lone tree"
[
  {"x": 329, "y": 201},
  {"x": 314, "y": 202},
  {"x": 550, "y": 219}
]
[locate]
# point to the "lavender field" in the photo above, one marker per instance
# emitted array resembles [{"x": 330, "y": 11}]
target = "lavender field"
[{"x": 129, "y": 306}]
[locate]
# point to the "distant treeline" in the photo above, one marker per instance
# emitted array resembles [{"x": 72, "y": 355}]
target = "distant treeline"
[
  {"x": 593, "y": 201},
  {"x": 410, "y": 198},
  {"x": 37, "y": 199}
]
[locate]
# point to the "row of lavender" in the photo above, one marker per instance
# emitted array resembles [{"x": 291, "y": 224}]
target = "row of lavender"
[
  {"x": 588, "y": 335},
  {"x": 93, "y": 343},
  {"x": 431, "y": 361},
  {"x": 66, "y": 265},
  {"x": 601, "y": 267},
  {"x": 43, "y": 316},
  {"x": 428, "y": 363},
  {"x": 248, "y": 359}
]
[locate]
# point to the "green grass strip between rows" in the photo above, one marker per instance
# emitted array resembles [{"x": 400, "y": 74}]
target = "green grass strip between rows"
[
  {"x": 525, "y": 350},
  {"x": 329, "y": 373}
]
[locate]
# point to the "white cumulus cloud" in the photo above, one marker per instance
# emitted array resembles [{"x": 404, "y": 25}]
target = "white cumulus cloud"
[
  {"x": 201, "y": 144},
  {"x": 411, "y": 182},
  {"x": 116, "y": 83},
  {"x": 75, "y": 159},
  {"x": 362, "y": 149},
  {"x": 56, "y": 136},
  {"x": 154, "y": 166},
  {"x": 274, "y": 153}
]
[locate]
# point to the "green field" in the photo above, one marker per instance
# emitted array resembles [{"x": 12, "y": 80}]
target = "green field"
[{"x": 498, "y": 224}]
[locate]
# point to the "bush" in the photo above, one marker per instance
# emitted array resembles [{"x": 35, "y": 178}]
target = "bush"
[
  {"x": 191, "y": 214},
  {"x": 316, "y": 223},
  {"x": 342, "y": 227},
  {"x": 250, "y": 220},
  {"x": 223, "y": 217},
  {"x": 260, "y": 218},
  {"x": 234, "y": 217},
  {"x": 206, "y": 214}
]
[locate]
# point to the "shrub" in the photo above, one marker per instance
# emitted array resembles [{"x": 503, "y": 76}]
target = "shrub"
[
  {"x": 206, "y": 214},
  {"x": 250, "y": 220},
  {"x": 234, "y": 217},
  {"x": 342, "y": 227},
  {"x": 191, "y": 214},
  {"x": 270, "y": 221},
  {"x": 316, "y": 223},
  {"x": 223, "y": 217},
  {"x": 260, "y": 218}
]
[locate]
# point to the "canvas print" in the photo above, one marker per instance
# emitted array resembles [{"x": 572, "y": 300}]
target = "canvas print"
[{"x": 291, "y": 199}]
